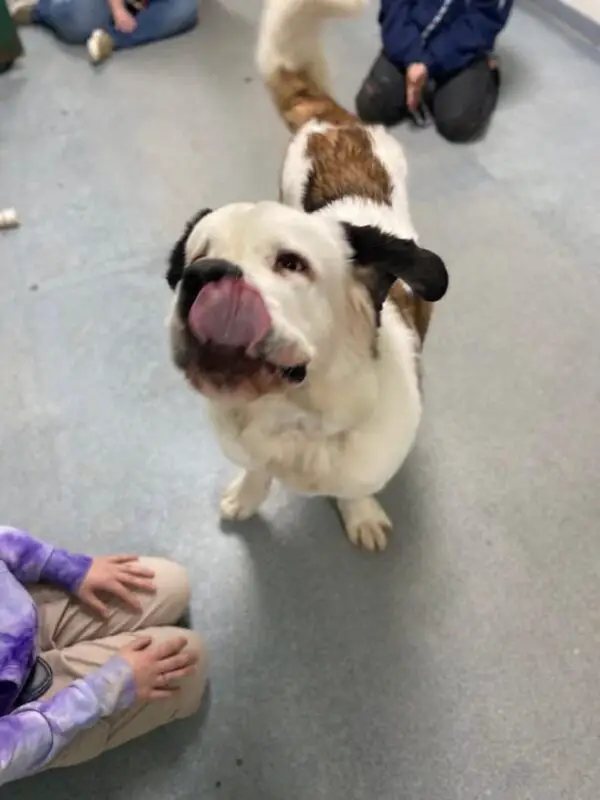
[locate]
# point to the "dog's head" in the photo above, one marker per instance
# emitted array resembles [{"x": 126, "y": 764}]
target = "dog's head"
[{"x": 265, "y": 293}]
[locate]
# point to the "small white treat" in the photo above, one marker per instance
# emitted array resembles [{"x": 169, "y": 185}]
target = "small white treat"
[{"x": 9, "y": 218}]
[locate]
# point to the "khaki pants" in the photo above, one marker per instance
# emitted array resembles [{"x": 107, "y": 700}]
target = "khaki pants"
[{"x": 74, "y": 642}]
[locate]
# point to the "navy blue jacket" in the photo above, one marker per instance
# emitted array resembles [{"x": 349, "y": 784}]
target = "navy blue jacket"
[{"x": 446, "y": 35}]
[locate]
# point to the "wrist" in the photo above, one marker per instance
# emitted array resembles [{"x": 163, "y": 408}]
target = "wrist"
[
  {"x": 114, "y": 685},
  {"x": 66, "y": 569}
]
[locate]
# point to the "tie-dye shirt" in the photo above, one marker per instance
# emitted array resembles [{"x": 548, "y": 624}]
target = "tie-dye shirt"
[{"x": 33, "y": 734}]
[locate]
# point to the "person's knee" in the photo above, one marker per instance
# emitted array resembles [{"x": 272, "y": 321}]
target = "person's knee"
[
  {"x": 182, "y": 15},
  {"x": 193, "y": 687},
  {"x": 74, "y": 22},
  {"x": 72, "y": 30},
  {"x": 189, "y": 13},
  {"x": 461, "y": 128},
  {"x": 463, "y": 107},
  {"x": 172, "y": 584}
]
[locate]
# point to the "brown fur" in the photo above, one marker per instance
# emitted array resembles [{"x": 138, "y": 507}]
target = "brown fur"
[
  {"x": 343, "y": 164},
  {"x": 299, "y": 99},
  {"x": 415, "y": 311}
]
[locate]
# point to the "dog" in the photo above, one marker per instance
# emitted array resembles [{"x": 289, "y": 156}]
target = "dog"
[{"x": 302, "y": 321}]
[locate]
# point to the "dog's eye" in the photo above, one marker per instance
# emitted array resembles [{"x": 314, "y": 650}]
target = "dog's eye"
[{"x": 291, "y": 262}]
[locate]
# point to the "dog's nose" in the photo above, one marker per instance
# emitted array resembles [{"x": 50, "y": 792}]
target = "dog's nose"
[{"x": 198, "y": 274}]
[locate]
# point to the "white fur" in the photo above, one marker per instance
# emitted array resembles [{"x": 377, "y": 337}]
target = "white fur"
[
  {"x": 347, "y": 430},
  {"x": 289, "y": 34}
]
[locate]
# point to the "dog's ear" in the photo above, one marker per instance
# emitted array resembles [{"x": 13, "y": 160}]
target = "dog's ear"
[
  {"x": 177, "y": 255},
  {"x": 388, "y": 258}
]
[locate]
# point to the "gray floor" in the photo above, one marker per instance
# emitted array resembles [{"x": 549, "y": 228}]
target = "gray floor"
[{"x": 464, "y": 662}]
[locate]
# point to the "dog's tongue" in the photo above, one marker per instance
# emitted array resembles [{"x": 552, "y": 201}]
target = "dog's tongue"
[{"x": 229, "y": 312}]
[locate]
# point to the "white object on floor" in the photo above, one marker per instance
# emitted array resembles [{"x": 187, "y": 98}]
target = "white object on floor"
[
  {"x": 8, "y": 219},
  {"x": 99, "y": 46}
]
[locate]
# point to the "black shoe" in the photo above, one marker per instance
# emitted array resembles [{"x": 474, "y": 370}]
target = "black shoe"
[{"x": 382, "y": 97}]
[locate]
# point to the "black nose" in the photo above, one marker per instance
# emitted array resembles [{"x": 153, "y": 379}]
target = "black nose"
[{"x": 198, "y": 274}]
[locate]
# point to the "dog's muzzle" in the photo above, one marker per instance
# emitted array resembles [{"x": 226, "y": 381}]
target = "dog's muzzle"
[
  {"x": 225, "y": 309},
  {"x": 221, "y": 308}
]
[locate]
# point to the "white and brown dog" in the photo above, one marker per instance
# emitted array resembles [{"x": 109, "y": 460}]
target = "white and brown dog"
[{"x": 302, "y": 321}]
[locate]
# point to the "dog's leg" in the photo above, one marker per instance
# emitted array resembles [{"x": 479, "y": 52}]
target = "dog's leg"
[
  {"x": 243, "y": 497},
  {"x": 366, "y": 523}
]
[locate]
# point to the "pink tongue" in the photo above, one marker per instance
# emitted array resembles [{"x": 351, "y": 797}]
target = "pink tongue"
[{"x": 229, "y": 312}]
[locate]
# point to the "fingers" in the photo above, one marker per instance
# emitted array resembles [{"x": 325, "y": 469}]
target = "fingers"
[
  {"x": 413, "y": 97},
  {"x": 116, "y": 588},
  {"x": 122, "y": 559},
  {"x": 165, "y": 683},
  {"x": 131, "y": 564},
  {"x": 140, "y": 643},
  {"x": 179, "y": 674},
  {"x": 122, "y": 585},
  {"x": 93, "y": 602},
  {"x": 181, "y": 661},
  {"x": 170, "y": 648},
  {"x": 138, "y": 570},
  {"x": 143, "y": 584},
  {"x": 411, "y": 94}
]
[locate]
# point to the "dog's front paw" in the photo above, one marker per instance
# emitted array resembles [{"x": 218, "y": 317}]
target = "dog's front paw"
[
  {"x": 242, "y": 499},
  {"x": 367, "y": 525}
]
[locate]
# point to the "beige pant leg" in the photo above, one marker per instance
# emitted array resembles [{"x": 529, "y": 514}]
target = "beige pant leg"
[
  {"x": 79, "y": 660},
  {"x": 63, "y": 621},
  {"x": 75, "y": 641}
]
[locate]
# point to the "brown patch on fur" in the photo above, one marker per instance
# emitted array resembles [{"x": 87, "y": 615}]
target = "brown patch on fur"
[
  {"x": 415, "y": 311},
  {"x": 299, "y": 99},
  {"x": 363, "y": 324},
  {"x": 344, "y": 165}
]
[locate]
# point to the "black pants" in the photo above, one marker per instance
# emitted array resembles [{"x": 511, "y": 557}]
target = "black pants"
[{"x": 461, "y": 104}]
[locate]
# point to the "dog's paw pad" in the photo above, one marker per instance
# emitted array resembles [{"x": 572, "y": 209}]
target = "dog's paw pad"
[{"x": 367, "y": 525}]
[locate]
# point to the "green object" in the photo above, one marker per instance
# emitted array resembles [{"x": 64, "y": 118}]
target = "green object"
[{"x": 10, "y": 42}]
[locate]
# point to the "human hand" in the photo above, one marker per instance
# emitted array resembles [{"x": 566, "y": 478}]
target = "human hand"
[
  {"x": 116, "y": 576},
  {"x": 124, "y": 21},
  {"x": 157, "y": 668},
  {"x": 416, "y": 78}
]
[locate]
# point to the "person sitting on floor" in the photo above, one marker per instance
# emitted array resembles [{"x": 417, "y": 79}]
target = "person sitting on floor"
[
  {"x": 437, "y": 59},
  {"x": 89, "y": 655},
  {"x": 107, "y": 25}
]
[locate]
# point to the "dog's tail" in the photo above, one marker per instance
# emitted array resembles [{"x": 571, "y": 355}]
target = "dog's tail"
[{"x": 291, "y": 62}]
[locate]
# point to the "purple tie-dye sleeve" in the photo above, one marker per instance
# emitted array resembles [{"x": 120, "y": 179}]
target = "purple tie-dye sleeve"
[
  {"x": 32, "y": 561},
  {"x": 35, "y": 734}
]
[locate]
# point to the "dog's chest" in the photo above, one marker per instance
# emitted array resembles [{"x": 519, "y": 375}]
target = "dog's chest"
[{"x": 294, "y": 447}]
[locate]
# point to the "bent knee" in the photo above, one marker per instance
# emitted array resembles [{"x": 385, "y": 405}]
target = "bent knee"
[
  {"x": 73, "y": 33},
  {"x": 183, "y": 14},
  {"x": 74, "y": 24},
  {"x": 188, "y": 10},
  {"x": 172, "y": 584},
  {"x": 462, "y": 128},
  {"x": 193, "y": 687}
]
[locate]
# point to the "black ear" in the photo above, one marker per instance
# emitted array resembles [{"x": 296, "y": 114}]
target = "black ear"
[
  {"x": 392, "y": 258},
  {"x": 177, "y": 255}
]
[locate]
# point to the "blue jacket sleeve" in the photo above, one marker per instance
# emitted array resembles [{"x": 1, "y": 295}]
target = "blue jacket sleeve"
[
  {"x": 470, "y": 34},
  {"x": 400, "y": 37},
  {"x": 35, "y": 734},
  {"x": 32, "y": 561}
]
